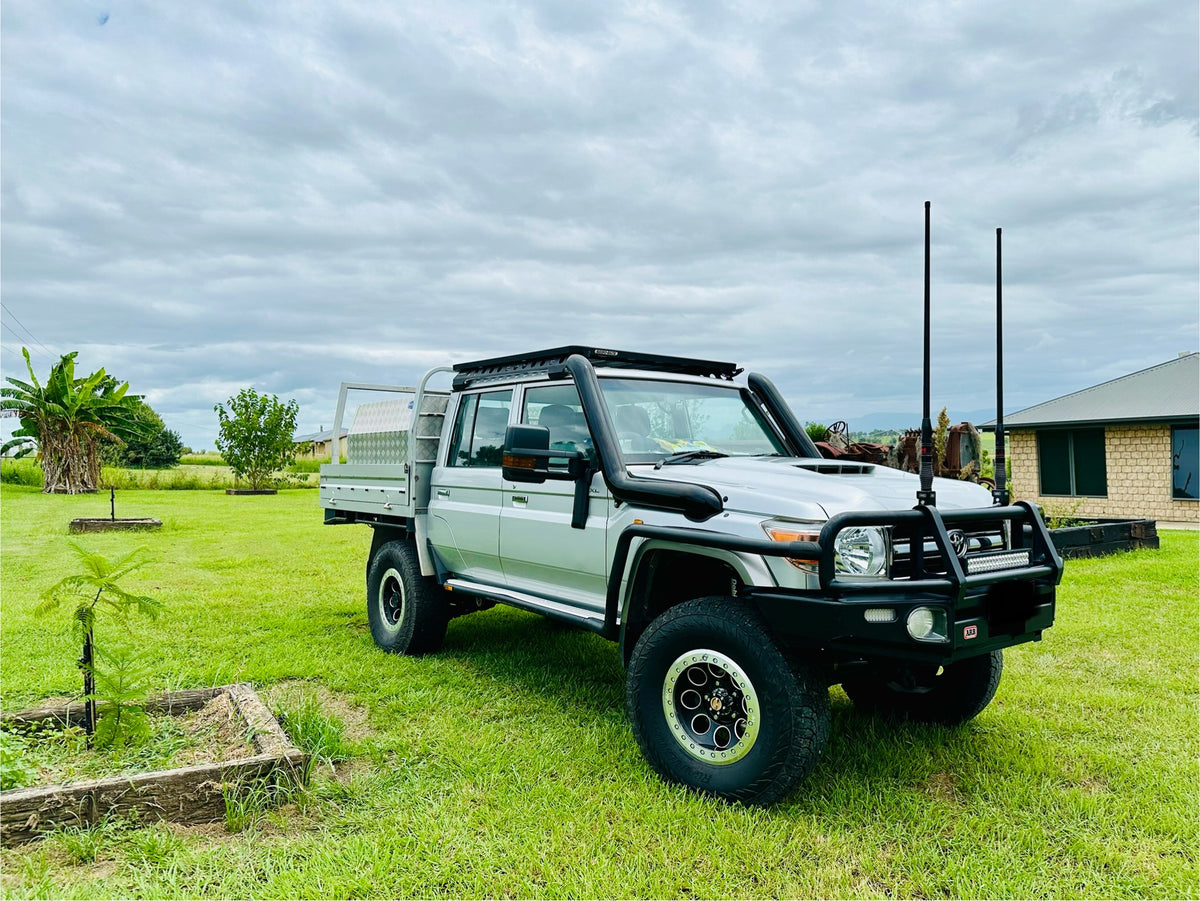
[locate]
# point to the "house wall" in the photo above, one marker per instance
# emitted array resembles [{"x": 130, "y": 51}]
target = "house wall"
[
  {"x": 320, "y": 450},
  {"x": 1138, "y": 460}
]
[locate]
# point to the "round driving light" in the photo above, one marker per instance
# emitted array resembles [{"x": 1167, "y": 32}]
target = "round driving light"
[
  {"x": 861, "y": 551},
  {"x": 920, "y": 623}
]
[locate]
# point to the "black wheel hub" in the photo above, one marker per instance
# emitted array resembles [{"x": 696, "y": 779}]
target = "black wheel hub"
[
  {"x": 391, "y": 599},
  {"x": 711, "y": 707}
]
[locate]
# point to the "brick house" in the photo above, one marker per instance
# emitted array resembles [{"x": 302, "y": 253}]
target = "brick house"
[
  {"x": 318, "y": 446},
  {"x": 1127, "y": 447}
]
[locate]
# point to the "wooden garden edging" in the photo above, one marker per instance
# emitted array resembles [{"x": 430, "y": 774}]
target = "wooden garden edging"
[
  {"x": 1105, "y": 536},
  {"x": 84, "y": 524},
  {"x": 190, "y": 794}
]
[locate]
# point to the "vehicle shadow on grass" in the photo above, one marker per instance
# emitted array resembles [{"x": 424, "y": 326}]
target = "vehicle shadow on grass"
[
  {"x": 868, "y": 756},
  {"x": 571, "y": 667}
]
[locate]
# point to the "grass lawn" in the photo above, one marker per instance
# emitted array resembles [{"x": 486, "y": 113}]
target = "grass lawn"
[{"x": 504, "y": 766}]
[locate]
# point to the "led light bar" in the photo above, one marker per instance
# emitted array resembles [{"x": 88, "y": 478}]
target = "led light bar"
[{"x": 994, "y": 562}]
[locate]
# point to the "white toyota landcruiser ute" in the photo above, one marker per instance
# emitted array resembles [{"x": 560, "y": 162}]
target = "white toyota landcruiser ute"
[{"x": 675, "y": 507}]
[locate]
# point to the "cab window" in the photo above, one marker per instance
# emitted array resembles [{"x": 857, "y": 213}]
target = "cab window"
[
  {"x": 479, "y": 427},
  {"x": 558, "y": 408}
]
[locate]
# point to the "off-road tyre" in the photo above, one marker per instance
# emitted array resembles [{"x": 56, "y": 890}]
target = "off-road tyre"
[
  {"x": 703, "y": 639},
  {"x": 949, "y": 696},
  {"x": 404, "y": 608}
]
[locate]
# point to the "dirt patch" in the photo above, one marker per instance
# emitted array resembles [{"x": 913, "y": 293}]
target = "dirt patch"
[
  {"x": 943, "y": 786},
  {"x": 218, "y": 734}
]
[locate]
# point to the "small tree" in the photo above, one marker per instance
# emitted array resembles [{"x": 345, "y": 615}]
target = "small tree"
[
  {"x": 256, "y": 435},
  {"x": 101, "y": 575}
]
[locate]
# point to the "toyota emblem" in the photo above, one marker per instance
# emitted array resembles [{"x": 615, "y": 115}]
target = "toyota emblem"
[{"x": 958, "y": 541}]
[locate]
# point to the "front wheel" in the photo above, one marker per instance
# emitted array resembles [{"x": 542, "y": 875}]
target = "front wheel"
[
  {"x": 948, "y": 695},
  {"x": 716, "y": 706},
  {"x": 404, "y": 608}
]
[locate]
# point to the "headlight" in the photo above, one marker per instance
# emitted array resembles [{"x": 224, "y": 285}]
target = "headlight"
[{"x": 861, "y": 551}]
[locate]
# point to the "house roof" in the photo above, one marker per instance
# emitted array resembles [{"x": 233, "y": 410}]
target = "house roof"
[
  {"x": 316, "y": 436},
  {"x": 1167, "y": 392}
]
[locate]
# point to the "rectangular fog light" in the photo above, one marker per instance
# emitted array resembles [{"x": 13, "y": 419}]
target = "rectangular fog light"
[{"x": 879, "y": 615}]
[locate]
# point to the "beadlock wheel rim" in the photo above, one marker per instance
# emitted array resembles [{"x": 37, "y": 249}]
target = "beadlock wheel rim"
[
  {"x": 391, "y": 600},
  {"x": 711, "y": 707}
]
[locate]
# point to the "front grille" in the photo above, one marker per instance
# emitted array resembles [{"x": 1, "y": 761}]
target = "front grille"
[{"x": 984, "y": 542}]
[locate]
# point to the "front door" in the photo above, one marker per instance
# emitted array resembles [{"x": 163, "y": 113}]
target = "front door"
[{"x": 541, "y": 553}]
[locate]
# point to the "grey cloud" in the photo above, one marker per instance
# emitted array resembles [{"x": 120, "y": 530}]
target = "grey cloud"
[{"x": 287, "y": 196}]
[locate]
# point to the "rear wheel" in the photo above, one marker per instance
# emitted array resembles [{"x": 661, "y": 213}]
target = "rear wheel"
[
  {"x": 949, "y": 695},
  {"x": 716, "y": 706},
  {"x": 404, "y": 608}
]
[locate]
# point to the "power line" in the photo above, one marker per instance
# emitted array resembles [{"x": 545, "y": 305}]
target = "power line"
[
  {"x": 26, "y": 330},
  {"x": 14, "y": 332}
]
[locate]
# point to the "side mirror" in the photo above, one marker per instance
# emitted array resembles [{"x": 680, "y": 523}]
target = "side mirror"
[{"x": 526, "y": 453}]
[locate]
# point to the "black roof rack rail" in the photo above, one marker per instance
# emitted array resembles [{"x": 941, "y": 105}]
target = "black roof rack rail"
[{"x": 552, "y": 362}]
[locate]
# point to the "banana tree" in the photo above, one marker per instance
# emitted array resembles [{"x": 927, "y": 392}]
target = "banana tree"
[{"x": 64, "y": 420}]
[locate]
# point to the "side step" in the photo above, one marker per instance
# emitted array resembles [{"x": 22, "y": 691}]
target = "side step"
[{"x": 593, "y": 621}]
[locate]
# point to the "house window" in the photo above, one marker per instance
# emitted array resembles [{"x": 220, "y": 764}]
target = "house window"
[
  {"x": 1185, "y": 462},
  {"x": 1071, "y": 463}
]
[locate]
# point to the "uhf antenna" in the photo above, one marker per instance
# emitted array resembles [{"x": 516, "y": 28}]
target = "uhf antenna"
[
  {"x": 926, "y": 497},
  {"x": 1000, "y": 492}
]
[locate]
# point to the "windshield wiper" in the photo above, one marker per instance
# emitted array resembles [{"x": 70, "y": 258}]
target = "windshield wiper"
[{"x": 688, "y": 456}]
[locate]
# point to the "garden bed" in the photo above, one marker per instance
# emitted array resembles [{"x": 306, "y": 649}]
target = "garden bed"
[
  {"x": 1098, "y": 537},
  {"x": 262, "y": 757},
  {"x": 251, "y": 491}
]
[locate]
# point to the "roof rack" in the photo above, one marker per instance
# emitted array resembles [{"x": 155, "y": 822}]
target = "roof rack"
[{"x": 552, "y": 362}]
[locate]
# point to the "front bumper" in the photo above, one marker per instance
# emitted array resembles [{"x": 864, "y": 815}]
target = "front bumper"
[{"x": 985, "y": 608}]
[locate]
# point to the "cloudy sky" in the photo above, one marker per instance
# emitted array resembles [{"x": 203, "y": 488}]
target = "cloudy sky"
[{"x": 204, "y": 196}]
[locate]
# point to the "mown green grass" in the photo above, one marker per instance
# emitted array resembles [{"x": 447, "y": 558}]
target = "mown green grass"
[{"x": 504, "y": 766}]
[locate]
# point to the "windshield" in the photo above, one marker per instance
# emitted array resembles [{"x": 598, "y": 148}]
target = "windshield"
[{"x": 657, "y": 419}]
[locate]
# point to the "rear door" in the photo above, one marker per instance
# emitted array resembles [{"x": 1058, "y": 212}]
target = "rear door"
[
  {"x": 541, "y": 553},
  {"x": 466, "y": 495}
]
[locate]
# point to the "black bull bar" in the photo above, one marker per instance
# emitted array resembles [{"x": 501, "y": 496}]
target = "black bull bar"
[{"x": 832, "y": 611}]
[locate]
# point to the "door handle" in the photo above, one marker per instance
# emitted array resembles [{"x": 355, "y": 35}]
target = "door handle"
[
  {"x": 443, "y": 492},
  {"x": 520, "y": 500}
]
